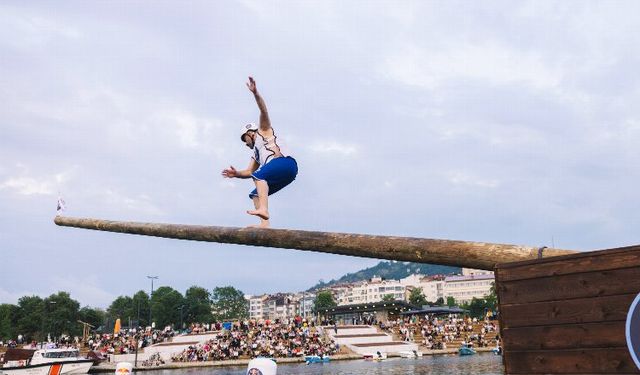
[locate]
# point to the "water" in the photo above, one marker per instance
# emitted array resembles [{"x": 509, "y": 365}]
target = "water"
[{"x": 481, "y": 364}]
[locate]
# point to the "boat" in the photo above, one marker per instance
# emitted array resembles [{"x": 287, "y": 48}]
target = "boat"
[
  {"x": 45, "y": 362},
  {"x": 466, "y": 349},
  {"x": 378, "y": 356},
  {"x": 410, "y": 354},
  {"x": 309, "y": 359}
]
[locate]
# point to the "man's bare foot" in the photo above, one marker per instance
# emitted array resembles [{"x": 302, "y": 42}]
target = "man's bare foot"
[
  {"x": 264, "y": 224},
  {"x": 262, "y": 214}
]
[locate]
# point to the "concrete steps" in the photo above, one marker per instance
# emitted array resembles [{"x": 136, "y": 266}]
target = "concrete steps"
[{"x": 367, "y": 340}]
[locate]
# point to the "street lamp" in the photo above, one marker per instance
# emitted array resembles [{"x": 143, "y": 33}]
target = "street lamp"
[
  {"x": 151, "y": 295},
  {"x": 45, "y": 309},
  {"x": 181, "y": 307}
]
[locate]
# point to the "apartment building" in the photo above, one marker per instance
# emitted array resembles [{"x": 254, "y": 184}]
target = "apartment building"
[
  {"x": 372, "y": 291},
  {"x": 465, "y": 288}
]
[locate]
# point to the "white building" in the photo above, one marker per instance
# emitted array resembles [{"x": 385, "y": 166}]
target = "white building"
[
  {"x": 305, "y": 303},
  {"x": 373, "y": 291},
  {"x": 475, "y": 272},
  {"x": 281, "y": 306},
  {"x": 465, "y": 288},
  {"x": 432, "y": 286},
  {"x": 256, "y": 306}
]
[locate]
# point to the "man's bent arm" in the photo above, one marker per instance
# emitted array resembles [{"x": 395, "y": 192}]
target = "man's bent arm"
[{"x": 253, "y": 166}]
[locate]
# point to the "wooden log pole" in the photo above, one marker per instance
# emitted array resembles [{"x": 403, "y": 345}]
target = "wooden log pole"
[{"x": 477, "y": 255}]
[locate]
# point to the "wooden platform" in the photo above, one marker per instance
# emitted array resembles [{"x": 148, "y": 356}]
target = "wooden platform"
[{"x": 567, "y": 314}]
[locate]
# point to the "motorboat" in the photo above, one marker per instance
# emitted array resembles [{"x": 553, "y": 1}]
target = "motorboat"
[
  {"x": 45, "y": 362},
  {"x": 317, "y": 359},
  {"x": 466, "y": 349},
  {"x": 378, "y": 356},
  {"x": 410, "y": 354}
]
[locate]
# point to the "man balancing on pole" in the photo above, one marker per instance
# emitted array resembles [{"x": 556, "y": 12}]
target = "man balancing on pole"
[{"x": 269, "y": 168}]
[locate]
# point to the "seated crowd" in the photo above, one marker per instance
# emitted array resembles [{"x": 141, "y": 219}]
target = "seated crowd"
[
  {"x": 250, "y": 339},
  {"x": 437, "y": 332},
  {"x": 124, "y": 342}
]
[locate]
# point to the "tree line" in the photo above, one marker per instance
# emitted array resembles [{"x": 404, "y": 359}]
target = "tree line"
[{"x": 35, "y": 318}]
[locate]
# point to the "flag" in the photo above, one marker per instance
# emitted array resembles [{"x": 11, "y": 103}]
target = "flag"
[{"x": 61, "y": 206}]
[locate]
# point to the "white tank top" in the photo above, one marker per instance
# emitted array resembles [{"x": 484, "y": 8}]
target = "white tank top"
[{"x": 265, "y": 149}]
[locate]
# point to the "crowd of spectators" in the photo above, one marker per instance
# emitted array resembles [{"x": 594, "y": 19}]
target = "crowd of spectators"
[
  {"x": 124, "y": 342},
  {"x": 437, "y": 332},
  {"x": 153, "y": 360},
  {"x": 9, "y": 344},
  {"x": 250, "y": 339}
]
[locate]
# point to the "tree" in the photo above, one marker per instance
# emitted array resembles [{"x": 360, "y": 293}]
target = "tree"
[
  {"x": 165, "y": 306},
  {"x": 416, "y": 297},
  {"x": 62, "y": 315},
  {"x": 140, "y": 308},
  {"x": 8, "y": 321},
  {"x": 492, "y": 298},
  {"x": 30, "y": 323},
  {"x": 478, "y": 307},
  {"x": 93, "y": 316},
  {"x": 229, "y": 303},
  {"x": 388, "y": 298},
  {"x": 198, "y": 305},
  {"x": 451, "y": 301},
  {"x": 440, "y": 301},
  {"x": 324, "y": 300},
  {"x": 121, "y": 308}
]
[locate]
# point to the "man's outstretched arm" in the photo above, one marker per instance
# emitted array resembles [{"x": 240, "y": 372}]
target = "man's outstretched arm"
[
  {"x": 231, "y": 172},
  {"x": 265, "y": 123}
]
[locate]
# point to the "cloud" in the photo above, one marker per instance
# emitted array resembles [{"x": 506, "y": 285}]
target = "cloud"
[
  {"x": 31, "y": 29},
  {"x": 490, "y": 62},
  {"x": 141, "y": 203},
  {"x": 84, "y": 290},
  {"x": 25, "y": 184},
  {"x": 461, "y": 178},
  {"x": 191, "y": 131},
  {"x": 334, "y": 147},
  {"x": 12, "y": 297}
]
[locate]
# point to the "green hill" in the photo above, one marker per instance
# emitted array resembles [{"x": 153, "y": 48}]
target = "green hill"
[{"x": 390, "y": 270}]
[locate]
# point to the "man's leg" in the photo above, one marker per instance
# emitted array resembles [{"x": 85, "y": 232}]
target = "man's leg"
[
  {"x": 263, "y": 223},
  {"x": 262, "y": 208}
]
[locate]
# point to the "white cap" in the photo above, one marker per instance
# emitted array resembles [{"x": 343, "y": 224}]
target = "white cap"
[
  {"x": 248, "y": 127},
  {"x": 262, "y": 366}
]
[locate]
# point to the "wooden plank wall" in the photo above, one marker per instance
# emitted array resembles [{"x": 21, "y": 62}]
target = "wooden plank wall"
[{"x": 566, "y": 315}]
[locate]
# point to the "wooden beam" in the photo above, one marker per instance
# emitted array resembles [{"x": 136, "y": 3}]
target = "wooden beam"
[{"x": 477, "y": 255}]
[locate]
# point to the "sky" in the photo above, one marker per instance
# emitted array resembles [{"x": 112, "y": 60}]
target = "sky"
[{"x": 512, "y": 122}]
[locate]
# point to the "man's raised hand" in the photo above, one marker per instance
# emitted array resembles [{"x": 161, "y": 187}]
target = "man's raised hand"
[
  {"x": 252, "y": 85},
  {"x": 229, "y": 172}
]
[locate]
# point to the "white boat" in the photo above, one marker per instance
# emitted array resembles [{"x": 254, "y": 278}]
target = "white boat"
[
  {"x": 48, "y": 362},
  {"x": 410, "y": 354},
  {"x": 378, "y": 356}
]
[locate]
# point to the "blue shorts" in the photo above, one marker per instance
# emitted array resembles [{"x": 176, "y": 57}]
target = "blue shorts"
[{"x": 278, "y": 173}]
